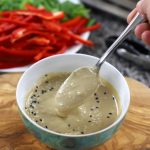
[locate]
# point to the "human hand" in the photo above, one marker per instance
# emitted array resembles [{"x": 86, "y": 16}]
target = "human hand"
[{"x": 142, "y": 31}]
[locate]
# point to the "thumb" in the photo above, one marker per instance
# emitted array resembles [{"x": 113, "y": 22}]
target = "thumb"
[
  {"x": 143, "y": 7},
  {"x": 139, "y": 7}
]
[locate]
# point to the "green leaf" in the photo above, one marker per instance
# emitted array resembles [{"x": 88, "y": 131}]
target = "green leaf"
[
  {"x": 73, "y": 10},
  {"x": 91, "y": 22}
]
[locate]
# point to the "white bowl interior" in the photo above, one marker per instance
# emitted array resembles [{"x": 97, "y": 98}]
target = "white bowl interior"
[{"x": 64, "y": 63}]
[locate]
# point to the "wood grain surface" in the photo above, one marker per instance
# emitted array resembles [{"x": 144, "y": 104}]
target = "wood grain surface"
[{"x": 134, "y": 134}]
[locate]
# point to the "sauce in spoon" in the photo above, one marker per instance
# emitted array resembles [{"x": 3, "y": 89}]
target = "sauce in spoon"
[{"x": 82, "y": 83}]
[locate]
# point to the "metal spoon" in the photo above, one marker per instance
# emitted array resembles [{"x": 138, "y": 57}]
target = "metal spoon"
[
  {"x": 84, "y": 81},
  {"x": 135, "y": 21}
]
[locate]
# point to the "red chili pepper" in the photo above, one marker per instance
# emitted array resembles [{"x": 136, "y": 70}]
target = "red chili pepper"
[
  {"x": 30, "y": 7},
  {"x": 80, "y": 25},
  {"x": 62, "y": 50},
  {"x": 43, "y": 15},
  {"x": 90, "y": 28},
  {"x": 18, "y": 53},
  {"x": 23, "y": 32},
  {"x": 14, "y": 59},
  {"x": 8, "y": 20},
  {"x": 39, "y": 41},
  {"x": 28, "y": 18},
  {"x": 51, "y": 26},
  {"x": 32, "y": 43},
  {"x": 35, "y": 9},
  {"x": 6, "y": 65},
  {"x": 8, "y": 59},
  {"x": 72, "y": 22},
  {"x": 29, "y": 35},
  {"x": 6, "y": 14},
  {"x": 42, "y": 53},
  {"x": 58, "y": 15},
  {"x": 19, "y": 33},
  {"x": 5, "y": 38},
  {"x": 5, "y": 27},
  {"x": 78, "y": 38}
]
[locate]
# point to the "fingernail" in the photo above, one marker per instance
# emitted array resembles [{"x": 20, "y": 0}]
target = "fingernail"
[
  {"x": 139, "y": 7},
  {"x": 139, "y": 3}
]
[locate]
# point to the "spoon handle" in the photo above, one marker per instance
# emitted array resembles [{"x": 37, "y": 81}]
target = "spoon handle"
[{"x": 135, "y": 21}]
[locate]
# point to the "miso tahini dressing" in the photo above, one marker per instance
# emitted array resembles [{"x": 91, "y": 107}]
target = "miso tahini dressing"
[{"x": 98, "y": 111}]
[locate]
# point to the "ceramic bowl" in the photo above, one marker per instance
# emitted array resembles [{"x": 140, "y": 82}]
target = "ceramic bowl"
[{"x": 64, "y": 63}]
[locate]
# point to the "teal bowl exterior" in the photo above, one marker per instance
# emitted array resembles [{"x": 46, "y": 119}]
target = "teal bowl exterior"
[{"x": 70, "y": 143}]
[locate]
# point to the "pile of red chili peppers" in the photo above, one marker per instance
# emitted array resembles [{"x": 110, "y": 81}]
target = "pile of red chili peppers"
[{"x": 27, "y": 36}]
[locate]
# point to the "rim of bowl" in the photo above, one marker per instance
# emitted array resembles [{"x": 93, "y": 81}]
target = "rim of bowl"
[{"x": 122, "y": 115}]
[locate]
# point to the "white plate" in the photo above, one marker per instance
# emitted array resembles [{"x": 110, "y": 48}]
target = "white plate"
[{"x": 71, "y": 50}]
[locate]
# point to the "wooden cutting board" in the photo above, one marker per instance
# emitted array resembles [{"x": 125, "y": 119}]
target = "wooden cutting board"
[{"x": 134, "y": 134}]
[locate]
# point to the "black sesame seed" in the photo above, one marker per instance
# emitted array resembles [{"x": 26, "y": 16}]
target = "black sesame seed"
[
  {"x": 38, "y": 102},
  {"x": 89, "y": 121},
  {"x": 46, "y": 82},
  {"x": 34, "y": 114},
  {"x": 34, "y": 101},
  {"x": 108, "y": 117},
  {"x": 34, "y": 95},
  {"x": 46, "y": 127},
  {"x": 97, "y": 107},
  {"x": 25, "y": 107},
  {"x": 96, "y": 98},
  {"x": 43, "y": 91},
  {"x": 110, "y": 113},
  {"x": 41, "y": 120},
  {"x": 38, "y": 96},
  {"x": 97, "y": 101},
  {"x": 46, "y": 75},
  {"x": 36, "y": 87},
  {"x": 32, "y": 106},
  {"x": 105, "y": 92},
  {"x": 82, "y": 132},
  {"x": 90, "y": 115},
  {"x": 36, "y": 121},
  {"x": 35, "y": 91},
  {"x": 95, "y": 94},
  {"x": 92, "y": 109},
  {"x": 51, "y": 89},
  {"x": 69, "y": 125},
  {"x": 113, "y": 98}
]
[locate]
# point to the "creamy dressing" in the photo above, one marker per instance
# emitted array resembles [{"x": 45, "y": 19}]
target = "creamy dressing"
[
  {"x": 81, "y": 84},
  {"x": 95, "y": 112}
]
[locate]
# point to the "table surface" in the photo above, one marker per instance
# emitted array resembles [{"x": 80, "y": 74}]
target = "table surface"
[{"x": 134, "y": 134}]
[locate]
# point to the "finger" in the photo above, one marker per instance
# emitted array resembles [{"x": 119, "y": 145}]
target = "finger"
[
  {"x": 143, "y": 7},
  {"x": 141, "y": 28},
  {"x": 131, "y": 15},
  {"x": 146, "y": 37},
  {"x": 139, "y": 6}
]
